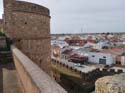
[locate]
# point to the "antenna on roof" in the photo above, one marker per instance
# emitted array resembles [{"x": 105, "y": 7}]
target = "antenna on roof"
[{"x": 81, "y": 30}]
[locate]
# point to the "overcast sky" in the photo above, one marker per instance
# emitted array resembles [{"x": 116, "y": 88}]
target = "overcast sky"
[{"x": 76, "y": 16}]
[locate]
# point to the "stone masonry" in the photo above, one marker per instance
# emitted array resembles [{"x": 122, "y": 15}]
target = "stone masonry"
[
  {"x": 111, "y": 84},
  {"x": 33, "y": 79},
  {"x": 2, "y": 42},
  {"x": 1, "y": 23},
  {"x": 28, "y": 26}
]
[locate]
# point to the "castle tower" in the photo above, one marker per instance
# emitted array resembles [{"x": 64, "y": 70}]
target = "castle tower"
[
  {"x": 28, "y": 25},
  {"x": 111, "y": 84},
  {"x": 7, "y": 16}
]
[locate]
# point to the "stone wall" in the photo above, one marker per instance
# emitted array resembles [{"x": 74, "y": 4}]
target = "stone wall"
[
  {"x": 30, "y": 8},
  {"x": 1, "y": 24},
  {"x": 90, "y": 76},
  {"x": 34, "y": 79},
  {"x": 111, "y": 84},
  {"x": 2, "y": 42},
  {"x": 28, "y": 25}
]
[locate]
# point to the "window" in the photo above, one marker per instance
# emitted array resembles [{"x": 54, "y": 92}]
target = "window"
[
  {"x": 25, "y": 22},
  {"x": 104, "y": 56},
  {"x": 118, "y": 62},
  {"x": 18, "y": 40},
  {"x": 34, "y": 7}
]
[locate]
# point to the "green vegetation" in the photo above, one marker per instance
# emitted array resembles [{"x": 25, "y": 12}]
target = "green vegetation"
[
  {"x": 5, "y": 57},
  {"x": 5, "y": 60},
  {"x": 5, "y": 49},
  {"x": 1, "y": 33},
  {"x": 8, "y": 41}
]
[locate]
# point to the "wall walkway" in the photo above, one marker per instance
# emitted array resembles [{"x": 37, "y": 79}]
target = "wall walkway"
[{"x": 34, "y": 80}]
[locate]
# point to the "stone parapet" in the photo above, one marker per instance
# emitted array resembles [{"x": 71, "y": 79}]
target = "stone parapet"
[
  {"x": 34, "y": 79},
  {"x": 28, "y": 7}
]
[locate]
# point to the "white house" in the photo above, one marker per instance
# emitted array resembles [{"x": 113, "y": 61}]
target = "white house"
[
  {"x": 123, "y": 60},
  {"x": 82, "y": 51},
  {"x": 101, "y": 44},
  {"x": 101, "y": 58},
  {"x": 90, "y": 45},
  {"x": 59, "y": 43}
]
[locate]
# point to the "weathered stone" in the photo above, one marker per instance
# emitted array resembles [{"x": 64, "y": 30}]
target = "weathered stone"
[
  {"x": 28, "y": 25},
  {"x": 1, "y": 24},
  {"x": 2, "y": 42},
  {"x": 111, "y": 84},
  {"x": 34, "y": 79}
]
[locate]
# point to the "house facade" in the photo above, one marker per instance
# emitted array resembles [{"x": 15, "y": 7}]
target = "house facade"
[{"x": 101, "y": 58}]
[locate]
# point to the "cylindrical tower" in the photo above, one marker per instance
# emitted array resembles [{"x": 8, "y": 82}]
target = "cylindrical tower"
[{"x": 28, "y": 25}]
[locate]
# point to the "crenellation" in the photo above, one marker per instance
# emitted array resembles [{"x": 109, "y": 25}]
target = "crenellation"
[{"x": 26, "y": 7}]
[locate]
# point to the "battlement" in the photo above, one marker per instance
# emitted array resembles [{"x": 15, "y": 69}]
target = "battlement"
[
  {"x": 21, "y": 6},
  {"x": 111, "y": 70}
]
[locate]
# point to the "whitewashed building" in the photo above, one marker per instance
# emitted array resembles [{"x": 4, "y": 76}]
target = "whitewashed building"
[
  {"x": 59, "y": 43},
  {"x": 123, "y": 60},
  {"x": 101, "y": 58}
]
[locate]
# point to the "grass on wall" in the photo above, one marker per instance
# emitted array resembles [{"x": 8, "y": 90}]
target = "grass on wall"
[{"x": 1, "y": 33}]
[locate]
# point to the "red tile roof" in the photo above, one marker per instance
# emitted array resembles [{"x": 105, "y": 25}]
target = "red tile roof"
[{"x": 113, "y": 51}]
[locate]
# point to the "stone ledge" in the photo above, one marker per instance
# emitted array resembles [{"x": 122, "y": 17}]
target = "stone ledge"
[
  {"x": 38, "y": 77},
  {"x": 23, "y": 6}
]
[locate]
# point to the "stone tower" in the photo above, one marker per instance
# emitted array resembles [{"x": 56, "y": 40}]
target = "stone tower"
[
  {"x": 111, "y": 84},
  {"x": 28, "y": 26}
]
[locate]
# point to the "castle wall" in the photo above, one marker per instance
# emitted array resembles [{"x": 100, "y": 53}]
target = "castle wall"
[
  {"x": 2, "y": 42},
  {"x": 111, "y": 84},
  {"x": 28, "y": 25},
  {"x": 38, "y": 51},
  {"x": 1, "y": 24},
  {"x": 34, "y": 79},
  {"x": 28, "y": 7}
]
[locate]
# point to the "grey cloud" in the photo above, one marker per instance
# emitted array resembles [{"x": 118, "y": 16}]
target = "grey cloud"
[{"x": 69, "y": 16}]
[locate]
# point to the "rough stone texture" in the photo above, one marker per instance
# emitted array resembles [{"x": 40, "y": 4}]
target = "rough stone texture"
[
  {"x": 1, "y": 23},
  {"x": 30, "y": 8},
  {"x": 2, "y": 42},
  {"x": 28, "y": 25},
  {"x": 111, "y": 84},
  {"x": 33, "y": 78}
]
